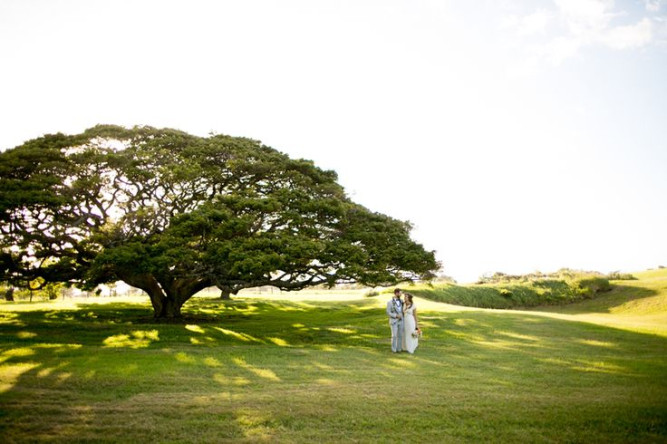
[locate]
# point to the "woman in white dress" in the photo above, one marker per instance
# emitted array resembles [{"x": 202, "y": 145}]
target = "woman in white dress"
[{"x": 410, "y": 325}]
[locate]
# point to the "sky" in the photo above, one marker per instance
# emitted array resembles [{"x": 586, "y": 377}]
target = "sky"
[{"x": 516, "y": 136}]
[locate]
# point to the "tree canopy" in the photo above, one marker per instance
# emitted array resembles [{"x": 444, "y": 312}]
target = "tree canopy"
[{"x": 172, "y": 213}]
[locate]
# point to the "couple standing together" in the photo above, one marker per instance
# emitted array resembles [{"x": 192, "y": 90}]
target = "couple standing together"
[{"x": 403, "y": 322}]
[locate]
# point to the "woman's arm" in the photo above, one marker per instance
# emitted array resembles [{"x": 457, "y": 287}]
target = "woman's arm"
[{"x": 414, "y": 312}]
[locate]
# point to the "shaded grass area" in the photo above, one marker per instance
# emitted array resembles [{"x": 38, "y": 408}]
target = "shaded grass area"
[{"x": 254, "y": 370}]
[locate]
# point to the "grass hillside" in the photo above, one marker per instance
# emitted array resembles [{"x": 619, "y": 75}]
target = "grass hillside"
[
  {"x": 638, "y": 305},
  {"x": 317, "y": 368},
  {"x": 645, "y": 296},
  {"x": 523, "y": 291}
]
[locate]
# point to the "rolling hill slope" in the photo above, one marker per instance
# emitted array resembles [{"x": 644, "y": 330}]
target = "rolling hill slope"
[{"x": 639, "y": 305}]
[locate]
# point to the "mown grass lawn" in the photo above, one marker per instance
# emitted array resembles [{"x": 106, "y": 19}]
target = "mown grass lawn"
[{"x": 269, "y": 370}]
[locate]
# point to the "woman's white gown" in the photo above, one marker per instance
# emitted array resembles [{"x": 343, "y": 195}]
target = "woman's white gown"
[{"x": 410, "y": 342}]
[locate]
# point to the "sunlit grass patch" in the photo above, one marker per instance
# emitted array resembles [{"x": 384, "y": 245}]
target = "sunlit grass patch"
[
  {"x": 25, "y": 335},
  {"x": 195, "y": 328},
  {"x": 599, "y": 366},
  {"x": 17, "y": 352},
  {"x": 596, "y": 343},
  {"x": 136, "y": 339},
  {"x": 236, "y": 335},
  {"x": 345, "y": 331},
  {"x": 10, "y": 374},
  {"x": 185, "y": 358},
  {"x": 279, "y": 342}
]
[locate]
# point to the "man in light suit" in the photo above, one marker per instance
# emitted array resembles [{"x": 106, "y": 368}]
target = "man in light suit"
[{"x": 395, "y": 313}]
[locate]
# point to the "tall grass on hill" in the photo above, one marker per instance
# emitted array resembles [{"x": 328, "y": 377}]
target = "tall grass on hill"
[{"x": 519, "y": 292}]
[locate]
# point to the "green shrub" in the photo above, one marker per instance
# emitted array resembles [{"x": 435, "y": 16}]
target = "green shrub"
[
  {"x": 618, "y": 276},
  {"x": 505, "y": 293},
  {"x": 591, "y": 286}
]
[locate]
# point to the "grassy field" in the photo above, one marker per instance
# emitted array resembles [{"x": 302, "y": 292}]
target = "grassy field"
[{"x": 317, "y": 368}]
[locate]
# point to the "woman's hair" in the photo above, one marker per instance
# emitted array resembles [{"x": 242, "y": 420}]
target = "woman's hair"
[{"x": 408, "y": 296}]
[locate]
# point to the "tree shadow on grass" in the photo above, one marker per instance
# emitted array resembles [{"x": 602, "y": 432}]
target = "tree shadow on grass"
[{"x": 256, "y": 370}]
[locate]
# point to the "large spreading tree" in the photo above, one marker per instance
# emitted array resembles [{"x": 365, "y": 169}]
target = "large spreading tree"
[{"x": 172, "y": 214}]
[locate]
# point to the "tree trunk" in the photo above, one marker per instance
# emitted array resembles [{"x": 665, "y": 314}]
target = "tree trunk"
[
  {"x": 167, "y": 298},
  {"x": 225, "y": 293},
  {"x": 158, "y": 299},
  {"x": 171, "y": 309}
]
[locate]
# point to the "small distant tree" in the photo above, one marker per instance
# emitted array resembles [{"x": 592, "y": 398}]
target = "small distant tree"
[
  {"x": 52, "y": 290},
  {"x": 443, "y": 278},
  {"x": 9, "y": 294},
  {"x": 172, "y": 214}
]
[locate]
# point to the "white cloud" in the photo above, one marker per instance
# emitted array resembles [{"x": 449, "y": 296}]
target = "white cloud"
[
  {"x": 576, "y": 25},
  {"x": 561, "y": 48},
  {"x": 660, "y": 31},
  {"x": 585, "y": 16},
  {"x": 535, "y": 23},
  {"x": 652, "y": 5},
  {"x": 628, "y": 37}
]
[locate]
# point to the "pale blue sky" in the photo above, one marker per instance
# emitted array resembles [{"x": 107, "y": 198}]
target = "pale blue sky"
[{"x": 516, "y": 135}]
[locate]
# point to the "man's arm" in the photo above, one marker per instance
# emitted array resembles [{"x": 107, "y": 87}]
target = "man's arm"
[{"x": 391, "y": 313}]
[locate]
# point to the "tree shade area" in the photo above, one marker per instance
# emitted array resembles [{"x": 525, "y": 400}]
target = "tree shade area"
[{"x": 172, "y": 213}]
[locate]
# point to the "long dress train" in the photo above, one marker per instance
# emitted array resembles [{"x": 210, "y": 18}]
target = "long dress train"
[{"x": 410, "y": 342}]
